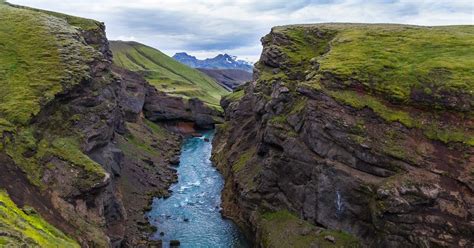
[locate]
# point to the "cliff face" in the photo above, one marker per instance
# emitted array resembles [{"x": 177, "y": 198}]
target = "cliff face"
[
  {"x": 361, "y": 128},
  {"x": 76, "y": 150}
]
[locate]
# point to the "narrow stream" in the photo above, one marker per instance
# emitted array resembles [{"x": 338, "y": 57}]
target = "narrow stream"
[{"x": 191, "y": 215}]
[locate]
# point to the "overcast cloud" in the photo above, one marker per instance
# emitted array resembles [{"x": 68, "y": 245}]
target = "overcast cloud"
[{"x": 206, "y": 28}]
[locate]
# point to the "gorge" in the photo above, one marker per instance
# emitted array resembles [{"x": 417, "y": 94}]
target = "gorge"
[{"x": 348, "y": 135}]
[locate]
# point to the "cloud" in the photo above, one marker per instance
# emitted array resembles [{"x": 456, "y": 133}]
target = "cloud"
[{"x": 205, "y": 28}]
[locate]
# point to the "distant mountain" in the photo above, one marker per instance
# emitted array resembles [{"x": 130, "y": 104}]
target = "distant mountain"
[
  {"x": 229, "y": 78},
  {"x": 221, "y": 61}
]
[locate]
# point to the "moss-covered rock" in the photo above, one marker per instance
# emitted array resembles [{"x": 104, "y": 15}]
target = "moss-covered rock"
[
  {"x": 348, "y": 136},
  {"x": 25, "y": 227},
  {"x": 283, "y": 229}
]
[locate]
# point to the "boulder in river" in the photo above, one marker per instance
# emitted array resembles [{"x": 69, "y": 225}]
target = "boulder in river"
[
  {"x": 175, "y": 243},
  {"x": 174, "y": 160}
]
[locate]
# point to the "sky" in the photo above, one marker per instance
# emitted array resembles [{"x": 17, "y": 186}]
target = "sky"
[{"x": 205, "y": 28}]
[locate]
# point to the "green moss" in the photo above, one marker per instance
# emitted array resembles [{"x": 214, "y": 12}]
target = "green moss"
[
  {"x": 447, "y": 135},
  {"x": 158, "y": 131},
  {"x": 283, "y": 229},
  {"x": 28, "y": 228},
  {"x": 143, "y": 137},
  {"x": 278, "y": 119},
  {"x": 39, "y": 57},
  {"x": 235, "y": 96},
  {"x": 358, "y": 139},
  {"x": 395, "y": 59},
  {"x": 167, "y": 74},
  {"x": 360, "y": 101},
  {"x": 66, "y": 149},
  {"x": 137, "y": 142},
  {"x": 298, "y": 106},
  {"x": 305, "y": 44},
  {"x": 267, "y": 74},
  {"x": 83, "y": 23},
  {"x": 243, "y": 159},
  {"x": 431, "y": 131},
  {"x": 393, "y": 145},
  {"x": 389, "y": 64},
  {"x": 303, "y": 47}
]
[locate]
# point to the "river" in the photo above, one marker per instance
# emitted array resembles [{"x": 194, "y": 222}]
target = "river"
[{"x": 191, "y": 214}]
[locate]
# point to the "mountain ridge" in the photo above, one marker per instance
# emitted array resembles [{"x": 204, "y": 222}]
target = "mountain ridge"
[{"x": 221, "y": 61}]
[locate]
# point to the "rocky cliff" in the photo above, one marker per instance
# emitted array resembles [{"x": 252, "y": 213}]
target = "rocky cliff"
[
  {"x": 353, "y": 132},
  {"x": 76, "y": 149}
]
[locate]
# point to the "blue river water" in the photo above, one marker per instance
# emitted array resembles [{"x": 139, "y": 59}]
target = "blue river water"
[{"x": 191, "y": 214}]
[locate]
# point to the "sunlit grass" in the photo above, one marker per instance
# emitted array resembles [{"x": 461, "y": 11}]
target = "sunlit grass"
[{"x": 167, "y": 74}]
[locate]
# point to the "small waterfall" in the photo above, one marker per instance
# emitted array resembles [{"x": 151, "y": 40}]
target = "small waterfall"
[{"x": 339, "y": 204}]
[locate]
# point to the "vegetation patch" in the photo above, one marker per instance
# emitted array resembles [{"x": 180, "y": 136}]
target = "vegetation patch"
[
  {"x": 306, "y": 44},
  {"x": 167, "y": 74},
  {"x": 395, "y": 59},
  {"x": 243, "y": 159},
  {"x": 299, "y": 105},
  {"x": 283, "y": 229},
  {"x": 40, "y": 56},
  {"x": 27, "y": 228},
  {"x": 361, "y": 101},
  {"x": 387, "y": 68},
  {"x": 235, "y": 96},
  {"x": 431, "y": 129},
  {"x": 65, "y": 149},
  {"x": 278, "y": 120}
]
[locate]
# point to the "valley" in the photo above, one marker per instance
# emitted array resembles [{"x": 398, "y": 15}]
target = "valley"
[{"x": 341, "y": 135}]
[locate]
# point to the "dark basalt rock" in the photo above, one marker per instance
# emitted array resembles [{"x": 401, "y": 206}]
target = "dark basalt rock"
[
  {"x": 98, "y": 211},
  {"x": 160, "y": 107},
  {"x": 309, "y": 160},
  {"x": 174, "y": 160},
  {"x": 175, "y": 243}
]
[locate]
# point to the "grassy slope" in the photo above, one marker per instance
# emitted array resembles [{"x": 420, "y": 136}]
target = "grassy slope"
[
  {"x": 396, "y": 59},
  {"x": 41, "y": 55},
  {"x": 390, "y": 62},
  {"x": 393, "y": 59},
  {"x": 35, "y": 47},
  {"x": 283, "y": 229},
  {"x": 165, "y": 73},
  {"x": 25, "y": 226}
]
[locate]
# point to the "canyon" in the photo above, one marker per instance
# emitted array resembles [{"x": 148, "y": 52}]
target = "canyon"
[{"x": 348, "y": 135}]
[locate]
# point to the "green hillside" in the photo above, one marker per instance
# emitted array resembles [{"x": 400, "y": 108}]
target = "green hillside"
[
  {"x": 395, "y": 70},
  {"x": 165, "y": 73},
  {"x": 32, "y": 68},
  {"x": 25, "y": 228},
  {"x": 391, "y": 60}
]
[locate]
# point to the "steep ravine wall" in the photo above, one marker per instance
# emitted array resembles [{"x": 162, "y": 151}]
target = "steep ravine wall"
[
  {"x": 311, "y": 142},
  {"x": 79, "y": 150}
]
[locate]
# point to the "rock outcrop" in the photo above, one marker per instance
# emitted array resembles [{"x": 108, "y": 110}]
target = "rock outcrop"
[
  {"x": 159, "y": 107},
  {"x": 326, "y": 135}
]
